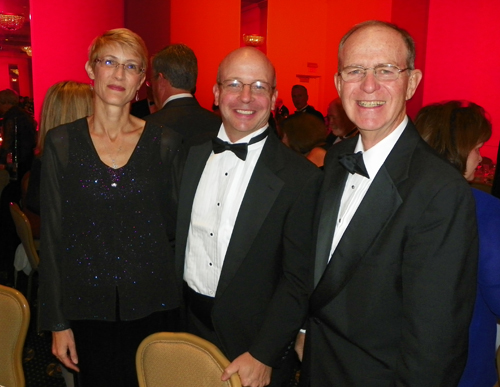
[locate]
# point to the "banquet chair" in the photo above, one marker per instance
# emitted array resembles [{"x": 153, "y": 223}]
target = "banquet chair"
[
  {"x": 167, "y": 359},
  {"x": 14, "y": 322},
  {"x": 23, "y": 229}
]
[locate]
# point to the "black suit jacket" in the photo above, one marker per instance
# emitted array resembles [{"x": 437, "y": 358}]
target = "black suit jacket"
[
  {"x": 393, "y": 306},
  {"x": 261, "y": 298},
  {"x": 188, "y": 118},
  {"x": 310, "y": 110}
]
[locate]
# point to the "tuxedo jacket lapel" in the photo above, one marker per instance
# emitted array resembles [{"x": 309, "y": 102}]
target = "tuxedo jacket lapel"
[
  {"x": 263, "y": 189},
  {"x": 195, "y": 164},
  {"x": 375, "y": 211}
]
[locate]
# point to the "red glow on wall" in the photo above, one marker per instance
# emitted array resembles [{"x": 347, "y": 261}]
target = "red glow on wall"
[{"x": 61, "y": 33}]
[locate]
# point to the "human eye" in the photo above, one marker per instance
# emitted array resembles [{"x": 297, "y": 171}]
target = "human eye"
[
  {"x": 354, "y": 71},
  {"x": 110, "y": 62},
  {"x": 259, "y": 86},
  {"x": 233, "y": 85},
  {"x": 132, "y": 67},
  {"x": 386, "y": 71}
]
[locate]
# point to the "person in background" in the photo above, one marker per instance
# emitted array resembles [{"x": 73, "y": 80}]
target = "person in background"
[
  {"x": 244, "y": 231},
  {"x": 396, "y": 250},
  {"x": 305, "y": 134},
  {"x": 146, "y": 106},
  {"x": 175, "y": 70},
  {"x": 457, "y": 130},
  {"x": 19, "y": 135},
  {"x": 64, "y": 102},
  {"x": 300, "y": 98},
  {"x": 108, "y": 212},
  {"x": 339, "y": 126}
]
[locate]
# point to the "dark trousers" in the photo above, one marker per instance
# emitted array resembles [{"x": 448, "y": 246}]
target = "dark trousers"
[{"x": 106, "y": 350}]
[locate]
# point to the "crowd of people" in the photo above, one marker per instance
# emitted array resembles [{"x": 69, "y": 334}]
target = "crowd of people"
[{"x": 349, "y": 247}]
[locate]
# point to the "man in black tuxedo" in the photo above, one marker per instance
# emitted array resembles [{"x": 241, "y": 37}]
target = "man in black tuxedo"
[
  {"x": 244, "y": 230},
  {"x": 175, "y": 70},
  {"x": 396, "y": 248},
  {"x": 300, "y": 98}
]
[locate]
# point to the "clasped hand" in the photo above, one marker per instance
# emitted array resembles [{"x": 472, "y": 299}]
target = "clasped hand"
[{"x": 252, "y": 372}]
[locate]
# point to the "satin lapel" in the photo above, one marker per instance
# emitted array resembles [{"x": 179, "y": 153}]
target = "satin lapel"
[
  {"x": 263, "y": 189},
  {"x": 330, "y": 203},
  {"x": 195, "y": 164},
  {"x": 375, "y": 211}
]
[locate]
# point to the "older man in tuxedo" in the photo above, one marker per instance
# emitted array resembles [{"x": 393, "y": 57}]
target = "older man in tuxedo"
[
  {"x": 396, "y": 250},
  {"x": 244, "y": 230}
]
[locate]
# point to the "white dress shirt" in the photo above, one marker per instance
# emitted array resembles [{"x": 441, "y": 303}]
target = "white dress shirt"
[
  {"x": 216, "y": 204},
  {"x": 356, "y": 185}
]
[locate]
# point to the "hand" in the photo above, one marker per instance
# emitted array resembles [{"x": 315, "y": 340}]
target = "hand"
[
  {"x": 299, "y": 344},
  {"x": 252, "y": 372},
  {"x": 63, "y": 344}
]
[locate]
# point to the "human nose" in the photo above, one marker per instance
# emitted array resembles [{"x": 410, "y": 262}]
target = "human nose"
[
  {"x": 246, "y": 93},
  {"x": 369, "y": 82},
  {"x": 120, "y": 69}
]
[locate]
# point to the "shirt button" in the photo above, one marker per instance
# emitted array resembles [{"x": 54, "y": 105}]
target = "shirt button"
[
  {"x": 352, "y": 186},
  {"x": 225, "y": 174},
  {"x": 211, "y": 234},
  {"x": 210, "y": 264}
]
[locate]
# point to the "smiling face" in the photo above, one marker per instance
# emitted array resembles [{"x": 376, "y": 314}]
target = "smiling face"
[
  {"x": 376, "y": 106},
  {"x": 245, "y": 112},
  {"x": 115, "y": 85}
]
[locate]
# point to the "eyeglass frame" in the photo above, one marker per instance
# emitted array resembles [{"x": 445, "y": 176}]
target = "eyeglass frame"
[
  {"x": 365, "y": 69},
  {"x": 142, "y": 70},
  {"x": 221, "y": 84}
]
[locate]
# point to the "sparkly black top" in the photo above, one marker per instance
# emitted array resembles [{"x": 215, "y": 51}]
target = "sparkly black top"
[{"x": 107, "y": 233}]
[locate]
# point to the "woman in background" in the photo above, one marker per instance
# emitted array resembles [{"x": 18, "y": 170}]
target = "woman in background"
[
  {"x": 108, "y": 210},
  {"x": 457, "y": 130},
  {"x": 64, "y": 102}
]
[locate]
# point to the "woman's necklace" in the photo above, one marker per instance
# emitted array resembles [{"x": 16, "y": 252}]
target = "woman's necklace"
[{"x": 113, "y": 158}]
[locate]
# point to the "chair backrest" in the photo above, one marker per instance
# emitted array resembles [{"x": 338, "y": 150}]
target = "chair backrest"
[
  {"x": 24, "y": 233},
  {"x": 14, "y": 322},
  {"x": 181, "y": 360},
  {"x": 4, "y": 179}
]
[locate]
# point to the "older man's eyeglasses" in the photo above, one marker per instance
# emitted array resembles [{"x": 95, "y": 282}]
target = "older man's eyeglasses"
[
  {"x": 383, "y": 72},
  {"x": 236, "y": 87},
  {"x": 131, "y": 68}
]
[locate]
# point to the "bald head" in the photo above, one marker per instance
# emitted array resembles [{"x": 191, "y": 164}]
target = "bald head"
[
  {"x": 246, "y": 53},
  {"x": 245, "y": 109}
]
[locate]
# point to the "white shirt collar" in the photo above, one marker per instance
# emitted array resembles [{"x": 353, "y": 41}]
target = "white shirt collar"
[
  {"x": 223, "y": 136},
  {"x": 177, "y": 96},
  {"x": 376, "y": 155}
]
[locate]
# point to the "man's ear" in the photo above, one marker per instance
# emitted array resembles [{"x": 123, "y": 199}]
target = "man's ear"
[
  {"x": 216, "y": 91},
  {"x": 413, "y": 82}
]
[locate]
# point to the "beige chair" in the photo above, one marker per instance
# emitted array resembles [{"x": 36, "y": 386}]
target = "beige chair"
[
  {"x": 167, "y": 359},
  {"x": 14, "y": 322},
  {"x": 24, "y": 233}
]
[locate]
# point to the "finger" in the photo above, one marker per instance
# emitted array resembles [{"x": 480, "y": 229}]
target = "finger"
[
  {"x": 228, "y": 372},
  {"x": 72, "y": 353},
  {"x": 66, "y": 361}
]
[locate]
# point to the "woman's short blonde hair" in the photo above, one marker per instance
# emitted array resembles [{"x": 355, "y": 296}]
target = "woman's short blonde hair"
[
  {"x": 453, "y": 129},
  {"x": 64, "y": 102},
  {"x": 125, "y": 39}
]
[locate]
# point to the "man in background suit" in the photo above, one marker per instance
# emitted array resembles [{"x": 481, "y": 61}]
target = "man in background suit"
[
  {"x": 244, "y": 230},
  {"x": 396, "y": 250},
  {"x": 300, "y": 98},
  {"x": 175, "y": 70}
]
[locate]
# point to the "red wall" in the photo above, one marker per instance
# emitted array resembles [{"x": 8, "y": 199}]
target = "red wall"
[
  {"x": 463, "y": 52},
  {"x": 151, "y": 20},
  {"x": 61, "y": 32},
  {"x": 212, "y": 31}
]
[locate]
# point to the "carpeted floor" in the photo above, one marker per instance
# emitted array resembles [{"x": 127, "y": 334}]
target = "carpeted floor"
[{"x": 40, "y": 366}]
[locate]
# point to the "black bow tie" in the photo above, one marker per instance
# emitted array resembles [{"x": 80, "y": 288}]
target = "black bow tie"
[
  {"x": 353, "y": 162},
  {"x": 239, "y": 149}
]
